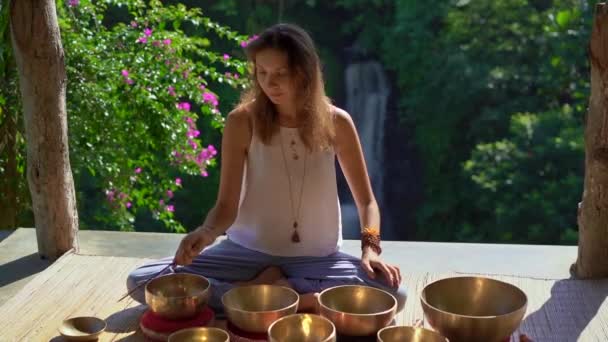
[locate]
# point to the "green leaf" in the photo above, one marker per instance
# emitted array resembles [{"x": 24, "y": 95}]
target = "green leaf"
[{"x": 563, "y": 18}]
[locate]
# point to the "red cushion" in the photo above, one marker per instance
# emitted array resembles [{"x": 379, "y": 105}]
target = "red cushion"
[
  {"x": 248, "y": 335},
  {"x": 163, "y": 325},
  {"x": 344, "y": 338}
]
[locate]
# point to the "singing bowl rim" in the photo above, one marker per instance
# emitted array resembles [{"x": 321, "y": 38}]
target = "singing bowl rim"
[
  {"x": 158, "y": 279},
  {"x": 517, "y": 289},
  {"x": 426, "y": 331},
  {"x": 333, "y": 334},
  {"x": 186, "y": 330},
  {"x": 325, "y": 307},
  {"x": 236, "y": 288},
  {"x": 84, "y": 334}
]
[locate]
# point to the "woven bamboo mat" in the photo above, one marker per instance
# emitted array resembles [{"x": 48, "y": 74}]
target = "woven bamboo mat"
[
  {"x": 75, "y": 285},
  {"x": 558, "y": 310}
]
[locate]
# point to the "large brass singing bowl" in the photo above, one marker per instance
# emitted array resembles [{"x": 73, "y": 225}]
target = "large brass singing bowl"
[
  {"x": 178, "y": 296},
  {"x": 199, "y": 334},
  {"x": 302, "y": 328},
  {"x": 409, "y": 334},
  {"x": 254, "y": 308},
  {"x": 357, "y": 310},
  {"x": 473, "y": 308}
]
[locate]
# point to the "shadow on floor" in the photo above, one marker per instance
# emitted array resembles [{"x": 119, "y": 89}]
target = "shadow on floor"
[
  {"x": 125, "y": 321},
  {"x": 564, "y": 316},
  {"x": 5, "y": 233},
  {"x": 21, "y": 268}
]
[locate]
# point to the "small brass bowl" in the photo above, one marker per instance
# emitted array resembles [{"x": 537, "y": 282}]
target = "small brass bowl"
[
  {"x": 254, "y": 308},
  {"x": 302, "y": 328},
  {"x": 200, "y": 334},
  {"x": 357, "y": 310},
  {"x": 82, "y": 328},
  {"x": 473, "y": 308},
  {"x": 409, "y": 334},
  {"x": 178, "y": 296}
]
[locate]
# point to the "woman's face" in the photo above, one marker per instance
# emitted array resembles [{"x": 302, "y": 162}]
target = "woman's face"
[{"x": 274, "y": 76}]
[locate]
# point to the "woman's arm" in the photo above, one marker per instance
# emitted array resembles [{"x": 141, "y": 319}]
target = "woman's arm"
[
  {"x": 350, "y": 155},
  {"x": 235, "y": 142}
]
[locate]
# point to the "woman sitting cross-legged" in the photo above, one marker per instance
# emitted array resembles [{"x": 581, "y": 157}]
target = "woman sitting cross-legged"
[{"x": 278, "y": 202}]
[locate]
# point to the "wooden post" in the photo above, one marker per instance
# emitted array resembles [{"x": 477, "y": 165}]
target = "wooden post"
[
  {"x": 39, "y": 56},
  {"x": 592, "y": 261}
]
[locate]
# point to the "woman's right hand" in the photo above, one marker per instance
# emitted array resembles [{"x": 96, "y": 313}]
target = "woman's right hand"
[{"x": 192, "y": 244}]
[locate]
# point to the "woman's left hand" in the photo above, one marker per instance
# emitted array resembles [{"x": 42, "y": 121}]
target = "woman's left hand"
[{"x": 372, "y": 263}]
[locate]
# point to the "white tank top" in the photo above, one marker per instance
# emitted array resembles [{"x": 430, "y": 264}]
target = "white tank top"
[{"x": 265, "y": 218}]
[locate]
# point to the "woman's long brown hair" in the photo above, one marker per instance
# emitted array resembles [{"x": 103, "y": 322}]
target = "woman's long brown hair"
[{"x": 314, "y": 116}]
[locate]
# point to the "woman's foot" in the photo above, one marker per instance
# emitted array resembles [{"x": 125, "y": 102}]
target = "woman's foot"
[
  {"x": 283, "y": 282},
  {"x": 268, "y": 276},
  {"x": 309, "y": 303}
]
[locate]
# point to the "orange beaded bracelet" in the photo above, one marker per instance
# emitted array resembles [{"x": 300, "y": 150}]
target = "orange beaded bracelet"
[{"x": 370, "y": 237}]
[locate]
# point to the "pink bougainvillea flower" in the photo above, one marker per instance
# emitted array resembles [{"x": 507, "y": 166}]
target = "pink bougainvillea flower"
[
  {"x": 184, "y": 106},
  {"x": 209, "y": 97},
  {"x": 171, "y": 91}
]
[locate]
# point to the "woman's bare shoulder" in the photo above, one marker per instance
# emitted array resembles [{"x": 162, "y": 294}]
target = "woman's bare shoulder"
[
  {"x": 342, "y": 119},
  {"x": 239, "y": 124},
  {"x": 242, "y": 113}
]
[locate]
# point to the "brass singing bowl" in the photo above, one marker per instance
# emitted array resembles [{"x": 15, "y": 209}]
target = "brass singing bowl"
[
  {"x": 200, "y": 334},
  {"x": 82, "y": 328},
  {"x": 178, "y": 296},
  {"x": 302, "y": 328},
  {"x": 409, "y": 334},
  {"x": 254, "y": 308},
  {"x": 473, "y": 308},
  {"x": 357, "y": 310}
]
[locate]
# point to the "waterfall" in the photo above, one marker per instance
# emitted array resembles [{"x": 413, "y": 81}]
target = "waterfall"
[{"x": 367, "y": 92}]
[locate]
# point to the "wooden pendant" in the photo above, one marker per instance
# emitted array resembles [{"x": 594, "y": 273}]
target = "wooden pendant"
[{"x": 295, "y": 238}]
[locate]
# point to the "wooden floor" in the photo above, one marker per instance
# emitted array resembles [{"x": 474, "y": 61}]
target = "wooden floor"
[{"x": 559, "y": 310}]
